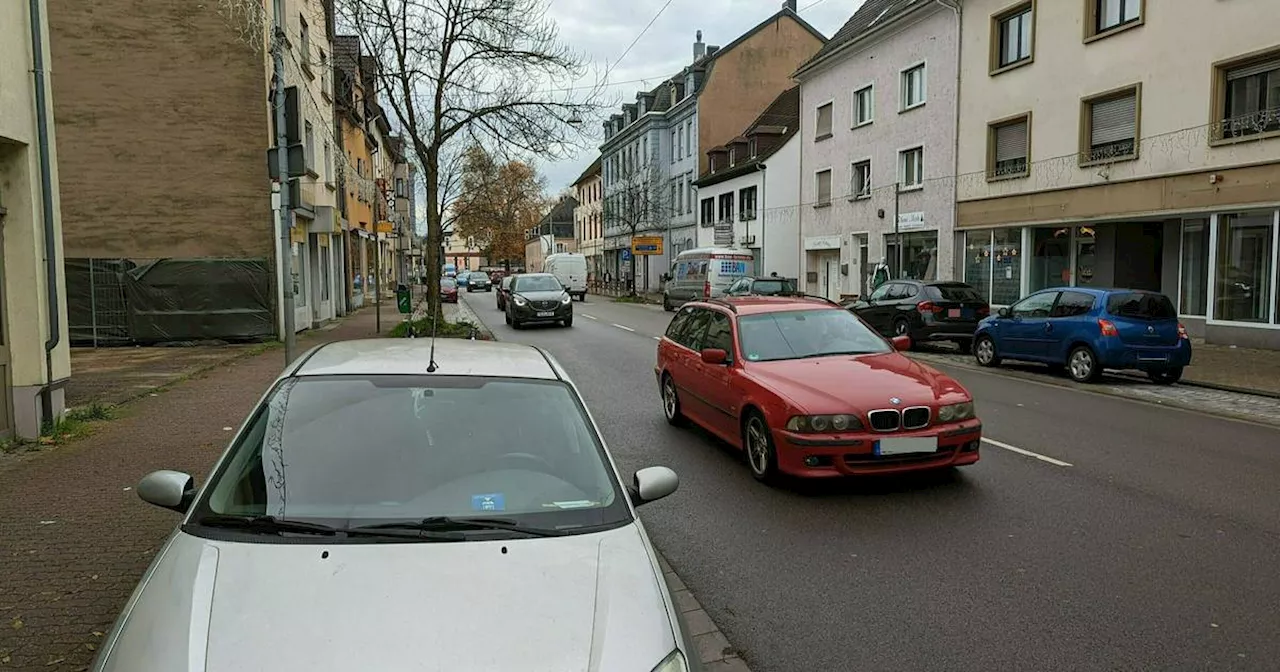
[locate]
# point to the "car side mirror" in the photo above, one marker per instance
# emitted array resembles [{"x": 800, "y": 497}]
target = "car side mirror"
[
  {"x": 902, "y": 343},
  {"x": 1003, "y": 312},
  {"x": 714, "y": 356},
  {"x": 652, "y": 484},
  {"x": 168, "y": 489}
]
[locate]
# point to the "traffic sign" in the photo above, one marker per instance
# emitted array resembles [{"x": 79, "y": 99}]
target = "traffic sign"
[{"x": 645, "y": 245}]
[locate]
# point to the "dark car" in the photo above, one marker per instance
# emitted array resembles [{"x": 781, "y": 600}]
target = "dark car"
[
  {"x": 538, "y": 298},
  {"x": 762, "y": 286},
  {"x": 478, "y": 281},
  {"x": 925, "y": 311},
  {"x": 504, "y": 290},
  {"x": 1084, "y": 331},
  {"x": 448, "y": 290}
]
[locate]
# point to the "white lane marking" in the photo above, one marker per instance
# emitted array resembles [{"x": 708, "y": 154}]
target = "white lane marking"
[
  {"x": 589, "y": 317},
  {"x": 657, "y": 338},
  {"x": 623, "y": 327},
  {"x": 1020, "y": 451}
]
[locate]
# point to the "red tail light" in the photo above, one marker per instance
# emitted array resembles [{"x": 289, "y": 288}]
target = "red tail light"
[
  {"x": 984, "y": 311},
  {"x": 1108, "y": 328},
  {"x": 929, "y": 307},
  {"x": 1182, "y": 333},
  {"x": 706, "y": 289}
]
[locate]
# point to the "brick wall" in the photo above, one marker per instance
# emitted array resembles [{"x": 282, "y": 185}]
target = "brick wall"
[{"x": 161, "y": 114}]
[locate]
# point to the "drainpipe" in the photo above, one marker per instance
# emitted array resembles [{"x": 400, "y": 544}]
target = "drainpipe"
[
  {"x": 46, "y": 205},
  {"x": 760, "y": 212},
  {"x": 954, "y": 5}
]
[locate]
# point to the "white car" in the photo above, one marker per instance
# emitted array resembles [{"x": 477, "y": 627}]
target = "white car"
[
  {"x": 371, "y": 515},
  {"x": 570, "y": 268}
]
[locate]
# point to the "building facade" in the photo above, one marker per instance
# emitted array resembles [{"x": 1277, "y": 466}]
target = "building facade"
[
  {"x": 553, "y": 234},
  {"x": 588, "y": 227},
  {"x": 656, "y": 147},
  {"x": 749, "y": 197},
  {"x": 35, "y": 361},
  {"x": 878, "y": 153},
  {"x": 1125, "y": 143}
]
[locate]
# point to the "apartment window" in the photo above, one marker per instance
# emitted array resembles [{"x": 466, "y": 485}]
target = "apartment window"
[
  {"x": 304, "y": 39},
  {"x": 689, "y": 187},
  {"x": 400, "y": 192},
  {"x": 328, "y": 159},
  {"x": 726, "y": 207},
  {"x": 1009, "y": 147},
  {"x": 1107, "y": 16},
  {"x": 688, "y": 138},
  {"x": 707, "y": 214},
  {"x": 310, "y": 147},
  {"x": 1248, "y": 95},
  {"x": 864, "y": 106},
  {"x": 1110, "y": 123},
  {"x": 861, "y": 186},
  {"x": 324, "y": 73},
  {"x": 911, "y": 168},
  {"x": 913, "y": 87},
  {"x": 675, "y": 194},
  {"x": 747, "y": 203},
  {"x": 675, "y": 153},
  {"x": 823, "y": 182},
  {"x": 823, "y": 128},
  {"x": 1012, "y": 39}
]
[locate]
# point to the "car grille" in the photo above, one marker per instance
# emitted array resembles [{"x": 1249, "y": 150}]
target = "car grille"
[
  {"x": 884, "y": 421},
  {"x": 543, "y": 305},
  {"x": 916, "y": 417}
]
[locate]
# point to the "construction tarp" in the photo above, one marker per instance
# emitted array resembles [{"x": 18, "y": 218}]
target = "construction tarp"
[{"x": 199, "y": 299}]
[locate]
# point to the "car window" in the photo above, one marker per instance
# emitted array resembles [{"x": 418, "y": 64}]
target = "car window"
[
  {"x": 448, "y": 283},
  {"x": 1072, "y": 304},
  {"x": 956, "y": 292},
  {"x": 506, "y": 281},
  {"x": 308, "y": 455},
  {"x": 740, "y": 287},
  {"x": 537, "y": 283},
  {"x": 719, "y": 333},
  {"x": 676, "y": 331},
  {"x": 796, "y": 334},
  {"x": 1036, "y": 305},
  {"x": 692, "y": 335},
  {"x": 881, "y": 293},
  {"x": 773, "y": 287},
  {"x": 1141, "y": 306},
  {"x": 908, "y": 290}
]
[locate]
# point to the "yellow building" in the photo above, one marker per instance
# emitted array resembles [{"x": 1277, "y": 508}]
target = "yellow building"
[
  {"x": 35, "y": 361},
  {"x": 356, "y": 195}
]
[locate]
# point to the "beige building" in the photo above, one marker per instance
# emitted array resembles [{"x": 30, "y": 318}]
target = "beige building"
[
  {"x": 1125, "y": 143},
  {"x": 588, "y": 224},
  {"x": 34, "y": 353}
]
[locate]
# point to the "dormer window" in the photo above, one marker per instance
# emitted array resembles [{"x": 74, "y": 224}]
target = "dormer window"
[
  {"x": 733, "y": 156},
  {"x": 712, "y": 162},
  {"x": 752, "y": 147}
]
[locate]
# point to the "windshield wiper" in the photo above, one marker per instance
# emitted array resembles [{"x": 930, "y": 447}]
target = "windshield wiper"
[
  {"x": 837, "y": 354},
  {"x": 267, "y": 524},
  {"x": 453, "y": 524}
]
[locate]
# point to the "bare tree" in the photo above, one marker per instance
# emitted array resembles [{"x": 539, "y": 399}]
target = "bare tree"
[
  {"x": 638, "y": 202},
  {"x": 462, "y": 72}
]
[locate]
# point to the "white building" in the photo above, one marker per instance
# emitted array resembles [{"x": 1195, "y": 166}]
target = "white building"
[
  {"x": 750, "y": 197},
  {"x": 878, "y": 105}
]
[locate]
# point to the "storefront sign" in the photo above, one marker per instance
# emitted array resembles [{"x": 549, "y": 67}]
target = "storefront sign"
[
  {"x": 822, "y": 242},
  {"x": 724, "y": 233},
  {"x": 910, "y": 221},
  {"x": 645, "y": 245}
]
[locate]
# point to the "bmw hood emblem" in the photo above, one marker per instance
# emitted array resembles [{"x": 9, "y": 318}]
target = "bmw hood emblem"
[{"x": 895, "y": 401}]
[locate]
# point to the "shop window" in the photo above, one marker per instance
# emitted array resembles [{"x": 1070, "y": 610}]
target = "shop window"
[
  {"x": 1194, "y": 280},
  {"x": 919, "y": 255},
  {"x": 1109, "y": 126},
  {"x": 1012, "y": 32},
  {"x": 1009, "y": 148},
  {"x": 993, "y": 264},
  {"x": 1245, "y": 263},
  {"x": 1247, "y": 97},
  {"x": 977, "y": 261}
]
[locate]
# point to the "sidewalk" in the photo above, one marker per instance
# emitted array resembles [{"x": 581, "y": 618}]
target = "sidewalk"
[{"x": 1235, "y": 369}]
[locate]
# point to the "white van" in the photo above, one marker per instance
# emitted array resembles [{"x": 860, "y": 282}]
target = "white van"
[
  {"x": 704, "y": 273},
  {"x": 570, "y": 268}
]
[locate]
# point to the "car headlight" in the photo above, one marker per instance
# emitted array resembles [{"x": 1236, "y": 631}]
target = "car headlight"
[
  {"x": 956, "y": 412},
  {"x": 822, "y": 424},
  {"x": 566, "y": 299},
  {"x": 519, "y": 301},
  {"x": 672, "y": 663}
]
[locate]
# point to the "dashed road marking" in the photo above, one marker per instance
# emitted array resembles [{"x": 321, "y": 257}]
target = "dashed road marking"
[
  {"x": 623, "y": 327},
  {"x": 1020, "y": 451},
  {"x": 589, "y": 317}
]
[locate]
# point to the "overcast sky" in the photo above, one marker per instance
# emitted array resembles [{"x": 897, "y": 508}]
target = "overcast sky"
[{"x": 602, "y": 30}]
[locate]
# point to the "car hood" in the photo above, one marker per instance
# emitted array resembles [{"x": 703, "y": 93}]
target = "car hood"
[
  {"x": 863, "y": 382},
  {"x": 585, "y": 602},
  {"x": 548, "y": 295}
]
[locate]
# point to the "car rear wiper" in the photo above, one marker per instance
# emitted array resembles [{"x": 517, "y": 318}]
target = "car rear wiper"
[
  {"x": 267, "y": 524},
  {"x": 450, "y": 523}
]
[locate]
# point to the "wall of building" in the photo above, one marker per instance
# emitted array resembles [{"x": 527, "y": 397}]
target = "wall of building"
[
  {"x": 24, "y": 318},
  {"x": 160, "y": 118}
]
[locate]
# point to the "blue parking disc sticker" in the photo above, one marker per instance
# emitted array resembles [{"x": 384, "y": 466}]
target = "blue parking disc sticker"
[{"x": 491, "y": 502}]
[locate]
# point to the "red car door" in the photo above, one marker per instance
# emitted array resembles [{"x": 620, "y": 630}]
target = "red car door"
[
  {"x": 717, "y": 380},
  {"x": 687, "y": 368}
]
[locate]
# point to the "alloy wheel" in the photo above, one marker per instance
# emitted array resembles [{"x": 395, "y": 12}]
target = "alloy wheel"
[
  {"x": 758, "y": 447},
  {"x": 900, "y": 328},
  {"x": 671, "y": 402},
  {"x": 1081, "y": 364},
  {"x": 985, "y": 351}
]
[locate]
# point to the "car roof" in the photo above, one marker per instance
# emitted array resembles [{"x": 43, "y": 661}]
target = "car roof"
[
  {"x": 454, "y": 357},
  {"x": 1100, "y": 291},
  {"x": 752, "y": 305}
]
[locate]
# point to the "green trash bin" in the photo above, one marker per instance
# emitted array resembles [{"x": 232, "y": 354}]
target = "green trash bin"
[{"x": 404, "y": 301}]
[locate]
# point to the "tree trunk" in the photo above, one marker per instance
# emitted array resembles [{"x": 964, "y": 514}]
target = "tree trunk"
[{"x": 435, "y": 253}]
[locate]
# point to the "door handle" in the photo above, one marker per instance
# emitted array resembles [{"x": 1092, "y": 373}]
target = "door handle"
[{"x": 1048, "y": 327}]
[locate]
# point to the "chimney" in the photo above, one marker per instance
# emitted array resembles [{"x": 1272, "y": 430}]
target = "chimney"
[
  {"x": 699, "y": 49},
  {"x": 789, "y": 4}
]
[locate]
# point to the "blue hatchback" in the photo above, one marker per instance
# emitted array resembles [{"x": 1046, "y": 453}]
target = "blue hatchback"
[{"x": 1088, "y": 330}]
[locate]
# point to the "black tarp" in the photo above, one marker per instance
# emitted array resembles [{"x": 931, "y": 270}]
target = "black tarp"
[{"x": 200, "y": 299}]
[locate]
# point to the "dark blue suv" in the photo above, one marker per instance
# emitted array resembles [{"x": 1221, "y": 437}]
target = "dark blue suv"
[{"x": 1087, "y": 330}]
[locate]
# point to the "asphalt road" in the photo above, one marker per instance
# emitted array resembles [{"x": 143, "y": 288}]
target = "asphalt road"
[{"x": 1124, "y": 536}]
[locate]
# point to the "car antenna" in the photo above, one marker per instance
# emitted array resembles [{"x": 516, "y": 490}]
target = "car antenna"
[{"x": 431, "y": 357}]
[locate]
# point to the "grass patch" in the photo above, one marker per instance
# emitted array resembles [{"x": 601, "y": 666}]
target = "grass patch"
[
  {"x": 422, "y": 329},
  {"x": 262, "y": 347},
  {"x": 631, "y": 299}
]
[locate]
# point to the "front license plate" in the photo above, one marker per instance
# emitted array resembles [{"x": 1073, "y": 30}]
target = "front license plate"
[
  {"x": 545, "y": 313},
  {"x": 906, "y": 445}
]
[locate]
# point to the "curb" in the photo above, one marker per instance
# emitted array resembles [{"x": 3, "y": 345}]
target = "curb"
[
  {"x": 714, "y": 650},
  {"x": 1208, "y": 386}
]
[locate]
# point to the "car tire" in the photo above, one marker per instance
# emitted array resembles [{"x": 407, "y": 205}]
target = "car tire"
[
  {"x": 506, "y": 317},
  {"x": 671, "y": 402},
  {"x": 902, "y": 328},
  {"x": 757, "y": 444},
  {"x": 1082, "y": 365},
  {"x": 984, "y": 351},
  {"x": 966, "y": 346},
  {"x": 1166, "y": 376},
  {"x": 568, "y": 322},
  {"x": 666, "y": 305}
]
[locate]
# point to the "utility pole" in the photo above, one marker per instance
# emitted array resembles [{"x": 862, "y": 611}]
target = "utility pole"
[
  {"x": 286, "y": 207},
  {"x": 897, "y": 231}
]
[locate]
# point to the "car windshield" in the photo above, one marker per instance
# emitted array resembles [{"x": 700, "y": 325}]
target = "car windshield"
[
  {"x": 448, "y": 283},
  {"x": 1141, "y": 306},
  {"x": 350, "y": 451},
  {"x": 797, "y": 334},
  {"x": 537, "y": 283}
]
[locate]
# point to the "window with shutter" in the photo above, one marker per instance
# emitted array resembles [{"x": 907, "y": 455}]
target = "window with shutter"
[
  {"x": 1113, "y": 127},
  {"x": 823, "y": 127},
  {"x": 1250, "y": 99},
  {"x": 1010, "y": 148},
  {"x": 824, "y": 187}
]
